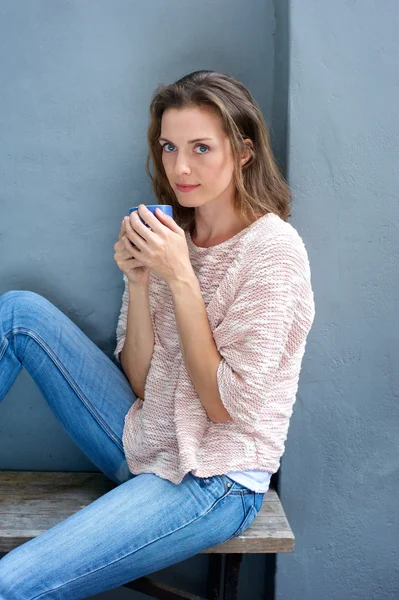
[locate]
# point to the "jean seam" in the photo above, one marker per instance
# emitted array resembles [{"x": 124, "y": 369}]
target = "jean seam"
[
  {"x": 244, "y": 521},
  {"x": 4, "y": 345},
  {"x": 69, "y": 380},
  {"x": 137, "y": 549},
  {"x": 244, "y": 509},
  {"x": 249, "y": 513}
]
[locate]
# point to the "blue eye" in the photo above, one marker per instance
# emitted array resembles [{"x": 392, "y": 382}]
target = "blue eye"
[
  {"x": 166, "y": 144},
  {"x": 202, "y": 146}
]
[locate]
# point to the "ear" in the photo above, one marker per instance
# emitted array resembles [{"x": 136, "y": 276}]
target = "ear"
[{"x": 247, "y": 154}]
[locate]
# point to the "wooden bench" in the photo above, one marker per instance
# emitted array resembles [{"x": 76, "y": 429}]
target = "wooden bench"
[{"x": 32, "y": 502}]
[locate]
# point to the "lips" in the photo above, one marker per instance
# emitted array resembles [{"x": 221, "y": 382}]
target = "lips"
[{"x": 186, "y": 188}]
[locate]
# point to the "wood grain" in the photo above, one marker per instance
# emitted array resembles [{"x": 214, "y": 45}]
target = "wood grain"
[{"x": 33, "y": 501}]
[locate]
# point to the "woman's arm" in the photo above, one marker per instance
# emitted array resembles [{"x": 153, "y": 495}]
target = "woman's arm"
[
  {"x": 138, "y": 348},
  {"x": 268, "y": 322},
  {"x": 198, "y": 348}
]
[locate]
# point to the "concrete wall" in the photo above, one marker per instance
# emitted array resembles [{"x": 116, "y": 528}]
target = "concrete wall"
[
  {"x": 340, "y": 475},
  {"x": 76, "y": 79}
]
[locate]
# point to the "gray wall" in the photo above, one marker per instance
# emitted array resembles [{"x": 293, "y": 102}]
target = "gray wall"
[
  {"x": 340, "y": 474},
  {"x": 76, "y": 79}
]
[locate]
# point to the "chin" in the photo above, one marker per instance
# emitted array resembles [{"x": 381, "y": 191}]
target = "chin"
[{"x": 188, "y": 204}]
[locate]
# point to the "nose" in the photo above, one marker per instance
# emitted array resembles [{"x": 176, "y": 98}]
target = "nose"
[{"x": 182, "y": 166}]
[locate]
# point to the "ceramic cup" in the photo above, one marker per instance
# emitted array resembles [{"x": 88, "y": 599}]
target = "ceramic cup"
[{"x": 166, "y": 208}]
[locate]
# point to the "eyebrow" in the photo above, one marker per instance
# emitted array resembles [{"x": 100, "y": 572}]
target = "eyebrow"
[{"x": 189, "y": 141}]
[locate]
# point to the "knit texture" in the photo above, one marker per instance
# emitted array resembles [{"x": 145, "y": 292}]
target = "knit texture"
[{"x": 259, "y": 300}]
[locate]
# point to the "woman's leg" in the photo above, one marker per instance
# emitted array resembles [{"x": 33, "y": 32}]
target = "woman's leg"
[
  {"x": 144, "y": 524},
  {"x": 85, "y": 390},
  {"x": 138, "y": 528}
]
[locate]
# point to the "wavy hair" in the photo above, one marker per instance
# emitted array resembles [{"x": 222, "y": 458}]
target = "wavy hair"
[{"x": 259, "y": 184}]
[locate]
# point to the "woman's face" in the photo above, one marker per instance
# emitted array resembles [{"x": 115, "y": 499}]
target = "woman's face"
[{"x": 207, "y": 163}]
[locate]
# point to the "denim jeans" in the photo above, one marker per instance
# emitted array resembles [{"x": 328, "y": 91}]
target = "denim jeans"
[{"x": 142, "y": 525}]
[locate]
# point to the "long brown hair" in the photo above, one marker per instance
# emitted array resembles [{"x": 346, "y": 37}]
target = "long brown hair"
[{"x": 260, "y": 187}]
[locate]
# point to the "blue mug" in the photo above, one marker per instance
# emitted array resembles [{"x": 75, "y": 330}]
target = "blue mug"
[{"x": 166, "y": 208}]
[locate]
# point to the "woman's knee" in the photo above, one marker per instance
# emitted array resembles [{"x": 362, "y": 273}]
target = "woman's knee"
[
  {"x": 21, "y": 297},
  {"x": 22, "y": 303}
]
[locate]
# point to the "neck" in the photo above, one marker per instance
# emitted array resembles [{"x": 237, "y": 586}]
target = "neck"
[{"x": 205, "y": 238}]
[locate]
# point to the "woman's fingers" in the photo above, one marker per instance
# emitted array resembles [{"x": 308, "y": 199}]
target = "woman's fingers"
[
  {"x": 128, "y": 245},
  {"x": 128, "y": 253},
  {"x": 133, "y": 236},
  {"x": 122, "y": 230}
]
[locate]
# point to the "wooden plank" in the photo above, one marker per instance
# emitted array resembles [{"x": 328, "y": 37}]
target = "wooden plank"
[{"x": 32, "y": 502}]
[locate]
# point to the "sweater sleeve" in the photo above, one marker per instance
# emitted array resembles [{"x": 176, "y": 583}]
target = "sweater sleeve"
[
  {"x": 264, "y": 329},
  {"x": 122, "y": 321}
]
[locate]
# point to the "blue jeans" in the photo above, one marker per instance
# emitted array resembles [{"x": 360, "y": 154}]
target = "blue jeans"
[{"x": 142, "y": 525}]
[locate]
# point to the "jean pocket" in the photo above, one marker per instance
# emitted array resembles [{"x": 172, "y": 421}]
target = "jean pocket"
[{"x": 249, "y": 514}]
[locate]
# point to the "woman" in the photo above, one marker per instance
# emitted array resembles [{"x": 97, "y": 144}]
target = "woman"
[{"x": 191, "y": 420}]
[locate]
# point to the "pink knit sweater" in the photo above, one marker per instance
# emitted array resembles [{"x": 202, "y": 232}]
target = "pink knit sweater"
[{"x": 257, "y": 291}]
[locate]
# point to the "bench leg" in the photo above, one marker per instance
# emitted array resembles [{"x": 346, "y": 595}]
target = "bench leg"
[
  {"x": 229, "y": 583},
  {"x": 214, "y": 577},
  {"x": 231, "y": 576}
]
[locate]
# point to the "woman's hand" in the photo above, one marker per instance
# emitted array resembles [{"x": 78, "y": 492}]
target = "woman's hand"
[
  {"x": 161, "y": 249},
  {"x": 128, "y": 264}
]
